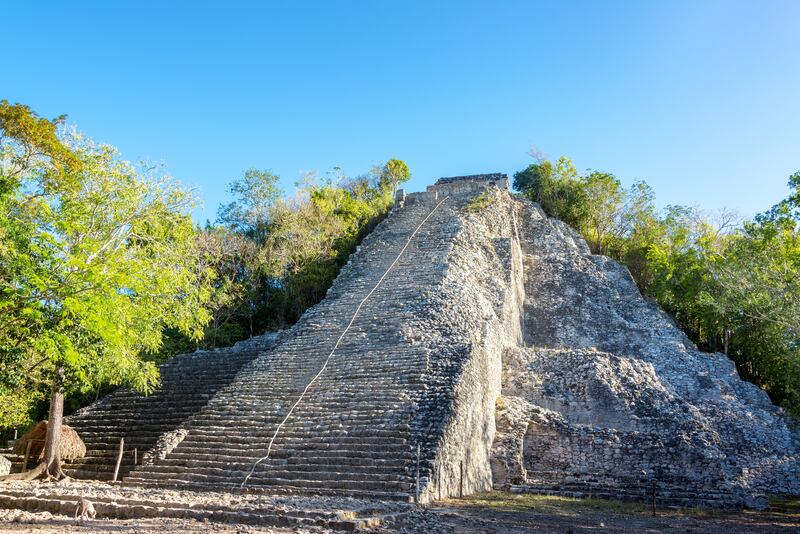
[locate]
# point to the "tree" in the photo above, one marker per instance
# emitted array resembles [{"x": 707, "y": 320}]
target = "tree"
[
  {"x": 556, "y": 188},
  {"x": 639, "y": 227},
  {"x": 254, "y": 195},
  {"x": 29, "y": 143},
  {"x": 239, "y": 265},
  {"x": 95, "y": 261},
  {"x": 603, "y": 215},
  {"x": 274, "y": 257},
  {"x": 529, "y": 180},
  {"x": 393, "y": 173},
  {"x": 759, "y": 280}
]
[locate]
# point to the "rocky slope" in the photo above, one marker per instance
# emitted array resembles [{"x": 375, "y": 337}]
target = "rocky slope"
[{"x": 607, "y": 396}]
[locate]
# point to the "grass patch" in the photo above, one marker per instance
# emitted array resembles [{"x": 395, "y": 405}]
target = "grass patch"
[
  {"x": 479, "y": 202},
  {"x": 783, "y": 509},
  {"x": 551, "y": 504},
  {"x": 788, "y": 508}
]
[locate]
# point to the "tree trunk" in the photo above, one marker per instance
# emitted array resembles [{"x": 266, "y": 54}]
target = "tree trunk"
[{"x": 52, "y": 458}]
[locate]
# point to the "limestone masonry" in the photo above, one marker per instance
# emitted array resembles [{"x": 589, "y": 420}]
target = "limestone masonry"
[{"x": 497, "y": 352}]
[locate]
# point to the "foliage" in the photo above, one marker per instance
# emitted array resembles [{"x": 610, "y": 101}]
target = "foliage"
[
  {"x": 733, "y": 288},
  {"x": 274, "y": 257},
  {"x": 95, "y": 260},
  {"x": 103, "y": 275},
  {"x": 392, "y": 174},
  {"x": 249, "y": 214},
  {"x": 556, "y": 188},
  {"x": 479, "y": 203}
]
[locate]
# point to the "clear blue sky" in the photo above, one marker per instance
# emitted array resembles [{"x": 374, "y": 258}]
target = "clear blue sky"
[{"x": 699, "y": 98}]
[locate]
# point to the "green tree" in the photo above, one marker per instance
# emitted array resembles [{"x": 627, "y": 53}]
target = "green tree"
[
  {"x": 604, "y": 202},
  {"x": 240, "y": 267},
  {"x": 556, "y": 188},
  {"x": 393, "y": 173},
  {"x": 680, "y": 265},
  {"x": 639, "y": 228},
  {"x": 759, "y": 281},
  {"x": 529, "y": 179},
  {"x": 96, "y": 259},
  {"x": 254, "y": 196},
  {"x": 274, "y": 257}
]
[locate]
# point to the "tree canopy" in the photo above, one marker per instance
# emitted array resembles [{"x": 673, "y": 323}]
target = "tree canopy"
[
  {"x": 95, "y": 261},
  {"x": 275, "y": 256}
]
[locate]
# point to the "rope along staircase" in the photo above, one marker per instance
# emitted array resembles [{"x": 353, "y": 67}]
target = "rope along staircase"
[{"x": 284, "y": 425}]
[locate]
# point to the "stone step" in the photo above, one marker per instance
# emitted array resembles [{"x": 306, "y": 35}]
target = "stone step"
[
  {"x": 124, "y": 509},
  {"x": 330, "y": 456},
  {"x": 279, "y": 452},
  {"x": 269, "y": 472},
  {"x": 297, "y": 438},
  {"x": 360, "y": 465},
  {"x": 387, "y": 495},
  {"x": 293, "y": 429},
  {"x": 273, "y": 483}
]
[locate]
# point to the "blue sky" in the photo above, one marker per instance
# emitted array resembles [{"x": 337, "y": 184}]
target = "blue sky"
[{"x": 700, "y": 98}]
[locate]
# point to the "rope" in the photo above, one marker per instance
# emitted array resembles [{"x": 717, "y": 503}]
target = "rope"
[{"x": 338, "y": 341}]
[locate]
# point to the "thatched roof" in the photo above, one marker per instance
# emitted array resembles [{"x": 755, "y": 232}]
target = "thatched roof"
[{"x": 71, "y": 446}]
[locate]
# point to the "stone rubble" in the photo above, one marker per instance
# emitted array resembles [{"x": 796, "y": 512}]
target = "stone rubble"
[
  {"x": 165, "y": 444},
  {"x": 5, "y": 465},
  {"x": 114, "y": 501},
  {"x": 607, "y": 396}
]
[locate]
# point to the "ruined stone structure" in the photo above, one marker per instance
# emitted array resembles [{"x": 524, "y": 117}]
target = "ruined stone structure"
[
  {"x": 469, "y": 343},
  {"x": 608, "y": 397}
]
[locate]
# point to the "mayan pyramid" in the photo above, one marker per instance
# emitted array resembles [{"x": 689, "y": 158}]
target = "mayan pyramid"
[{"x": 470, "y": 342}]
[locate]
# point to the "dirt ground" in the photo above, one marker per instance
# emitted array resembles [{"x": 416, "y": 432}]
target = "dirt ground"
[
  {"x": 46, "y": 523},
  {"x": 512, "y": 514},
  {"x": 492, "y": 513}
]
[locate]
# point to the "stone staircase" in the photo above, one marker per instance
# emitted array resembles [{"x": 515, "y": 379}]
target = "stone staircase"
[
  {"x": 353, "y": 432},
  {"x": 188, "y": 382},
  {"x": 403, "y": 407}
]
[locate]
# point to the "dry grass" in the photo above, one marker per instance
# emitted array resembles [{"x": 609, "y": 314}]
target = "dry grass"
[
  {"x": 479, "y": 202},
  {"x": 71, "y": 445},
  {"x": 551, "y": 504},
  {"x": 787, "y": 509}
]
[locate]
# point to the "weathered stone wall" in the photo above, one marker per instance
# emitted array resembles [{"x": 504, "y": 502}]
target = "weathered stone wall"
[
  {"x": 469, "y": 185},
  {"x": 607, "y": 396},
  {"x": 480, "y": 299}
]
